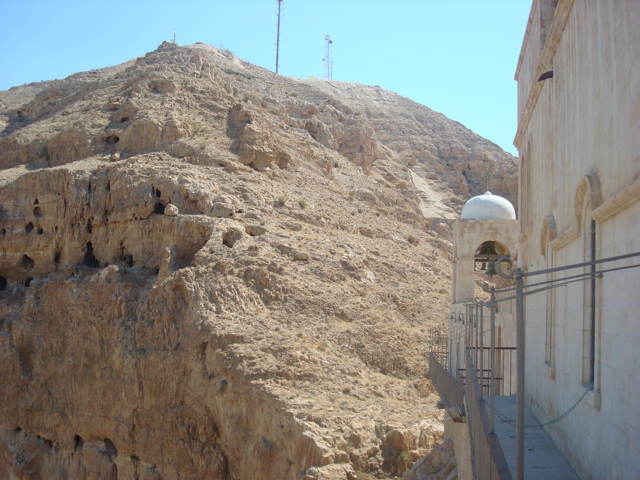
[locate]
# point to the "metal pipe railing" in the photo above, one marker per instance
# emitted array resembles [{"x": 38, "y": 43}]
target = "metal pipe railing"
[
  {"x": 450, "y": 389},
  {"x": 489, "y": 461}
]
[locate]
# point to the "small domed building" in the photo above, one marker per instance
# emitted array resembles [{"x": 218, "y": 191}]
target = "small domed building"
[{"x": 486, "y": 230}]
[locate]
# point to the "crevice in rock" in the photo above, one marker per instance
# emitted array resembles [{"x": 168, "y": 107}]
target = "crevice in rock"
[{"x": 3, "y": 283}]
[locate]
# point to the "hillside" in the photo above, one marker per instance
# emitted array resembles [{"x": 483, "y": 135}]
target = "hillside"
[{"x": 211, "y": 271}]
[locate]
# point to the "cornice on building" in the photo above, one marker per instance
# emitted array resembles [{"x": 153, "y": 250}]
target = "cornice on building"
[
  {"x": 620, "y": 201},
  {"x": 545, "y": 62}
]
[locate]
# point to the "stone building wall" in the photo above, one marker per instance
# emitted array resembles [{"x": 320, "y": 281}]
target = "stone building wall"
[{"x": 579, "y": 144}]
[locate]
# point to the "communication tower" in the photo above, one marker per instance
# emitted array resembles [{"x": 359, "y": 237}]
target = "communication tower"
[
  {"x": 278, "y": 37},
  {"x": 328, "y": 65}
]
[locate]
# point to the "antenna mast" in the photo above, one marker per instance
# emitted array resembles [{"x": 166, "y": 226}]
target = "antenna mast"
[
  {"x": 278, "y": 38},
  {"x": 328, "y": 66},
  {"x": 174, "y": 36}
]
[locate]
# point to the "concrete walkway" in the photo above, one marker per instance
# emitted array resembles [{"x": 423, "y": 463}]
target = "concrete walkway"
[{"x": 542, "y": 460}]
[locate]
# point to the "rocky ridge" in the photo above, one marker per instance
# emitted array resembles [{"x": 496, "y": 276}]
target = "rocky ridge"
[{"x": 210, "y": 271}]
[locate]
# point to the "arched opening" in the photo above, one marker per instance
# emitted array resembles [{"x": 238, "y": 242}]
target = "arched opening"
[{"x": 487, "y": 254}]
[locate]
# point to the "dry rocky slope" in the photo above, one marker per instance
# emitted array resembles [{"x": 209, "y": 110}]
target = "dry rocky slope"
[{"x": 211, "y": 271}]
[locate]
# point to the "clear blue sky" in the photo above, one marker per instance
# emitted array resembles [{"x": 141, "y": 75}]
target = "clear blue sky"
[{"x": 457, "y": 57}]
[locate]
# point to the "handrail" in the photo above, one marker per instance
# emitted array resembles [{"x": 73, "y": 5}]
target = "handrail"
[
  {"x": 451, "y": 390},
  {"x": 488, "y": 457}
]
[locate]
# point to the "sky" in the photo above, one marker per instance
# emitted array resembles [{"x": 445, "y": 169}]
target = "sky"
[{"x": 457, "y": 57}]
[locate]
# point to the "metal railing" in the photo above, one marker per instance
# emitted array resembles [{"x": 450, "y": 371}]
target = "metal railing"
[
  {"x": 451, "y": 389},
  {"x": 519, "y": 292},
  {"x": 489, "y": 462},
  {"x": 504, "y": 370},
  {"x": 439, "y": 346}
]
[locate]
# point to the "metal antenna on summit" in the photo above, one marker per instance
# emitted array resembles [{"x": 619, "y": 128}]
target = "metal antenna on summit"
[
  {"x": 278, "y": 38},
  {"x": 328, "y": 66}
]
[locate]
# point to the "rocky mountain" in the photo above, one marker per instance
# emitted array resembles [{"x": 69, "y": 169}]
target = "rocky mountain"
[{"x": 211, "y": 271}]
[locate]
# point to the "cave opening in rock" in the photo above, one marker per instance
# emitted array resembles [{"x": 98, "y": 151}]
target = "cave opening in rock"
[
  {"x": 28, "y": 281},
  {"x": 159, "y": 208},
  {"x": 78, "y": 443},
  {"x": 109, "y": 448},
  {"x": 90, "y": 259},
  {"x": 3, "y": 283},
  {"x": 27, "y": 262},
  {"x": 112, "y": 139},
  {"x": 29, "y": 227},
  {"x": 56, "y": 258},
  {"x": 40, "y": 231},
  {"x": 158, "y": 193},
  {"x": 37, "y": 211},
  {"x": 128, "y": 259}
]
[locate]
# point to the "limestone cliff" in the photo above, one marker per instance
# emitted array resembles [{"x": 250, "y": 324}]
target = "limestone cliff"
[{"x": 211, "y": 271}]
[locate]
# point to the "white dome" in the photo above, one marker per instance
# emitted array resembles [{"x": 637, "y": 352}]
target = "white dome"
[{"x": 488, "y": 207}]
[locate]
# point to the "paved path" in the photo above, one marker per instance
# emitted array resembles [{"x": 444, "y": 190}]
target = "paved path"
[{"x": 542, "y": 460}]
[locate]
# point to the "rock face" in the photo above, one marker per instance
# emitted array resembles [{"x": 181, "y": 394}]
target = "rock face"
[
  {"x": 440, "y": 464},
  {"x": 210, "y": 271}
]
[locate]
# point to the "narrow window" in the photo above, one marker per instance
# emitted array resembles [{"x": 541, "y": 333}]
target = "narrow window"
[
  {"x": 592, "y": 303},
  {"x": 550, "y": 292},
  {"x": 590, "y": 309}
]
